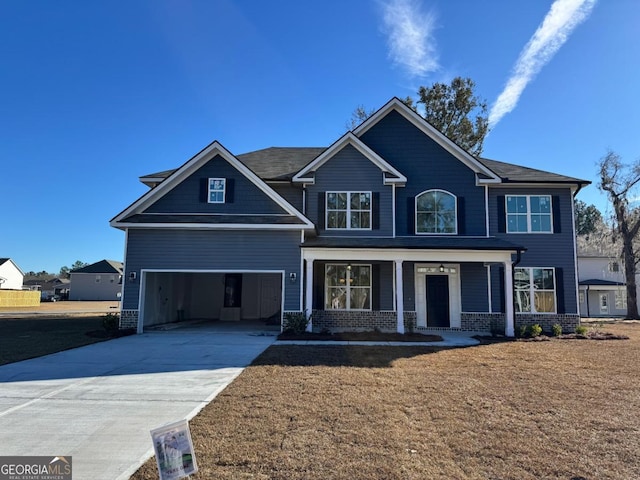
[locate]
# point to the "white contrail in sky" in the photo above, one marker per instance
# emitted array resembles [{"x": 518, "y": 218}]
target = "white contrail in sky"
[
  {"x": 563, "y": 17},
  {"x": 410, "y": 36}
]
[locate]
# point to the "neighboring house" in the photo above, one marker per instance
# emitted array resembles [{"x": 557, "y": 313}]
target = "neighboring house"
[
  {"x": 10, "y": 275},
  {"x": 99, "y": 281},
  {"x": 49, "y": 287},
  {"x": 603, "y": 291},
  {"x": 393, "y": 227}
]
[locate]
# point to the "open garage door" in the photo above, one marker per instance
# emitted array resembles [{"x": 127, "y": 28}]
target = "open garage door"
[{"x": 234, "y": 296}]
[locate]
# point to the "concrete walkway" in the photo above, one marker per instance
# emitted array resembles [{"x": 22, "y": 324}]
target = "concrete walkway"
[
  {"x": 98, "y": 403},
  {"x": 449, "y": 339}
]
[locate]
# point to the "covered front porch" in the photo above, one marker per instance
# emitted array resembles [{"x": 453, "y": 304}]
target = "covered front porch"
[{"x": 410, "y": 287}]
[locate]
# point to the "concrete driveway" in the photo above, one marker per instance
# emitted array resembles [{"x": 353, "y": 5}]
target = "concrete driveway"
[{"x": 97, "y": 403}]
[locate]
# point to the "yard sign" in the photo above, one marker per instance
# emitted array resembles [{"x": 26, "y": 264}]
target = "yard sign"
[{"x": 174, "y": 450}]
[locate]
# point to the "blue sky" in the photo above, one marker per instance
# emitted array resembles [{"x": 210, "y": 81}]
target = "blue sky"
[{"x": 96, "y": 94}]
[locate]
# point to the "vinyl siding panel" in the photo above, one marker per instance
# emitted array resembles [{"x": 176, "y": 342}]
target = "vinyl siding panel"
[
  {"x": 473, "y": 283},
  {"x": 291, "y": 193},
  {"x": 543, "y": 249},
  {"x": 427, "y": 166},
  {"x": 349, "y": 170},
  {"x": 207, "y": 250},
  {"x": 187, "y": 196}
]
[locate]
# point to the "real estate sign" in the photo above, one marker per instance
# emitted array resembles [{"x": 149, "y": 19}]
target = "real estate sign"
[{"x": 174, "y": 450}]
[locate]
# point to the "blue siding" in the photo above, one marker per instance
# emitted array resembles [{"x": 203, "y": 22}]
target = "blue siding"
[
  {"x": 291, "y": 193},
  {"x": 474, "y": 288},
  {"x": 427, "y": 166},
  {"x": 208, "y": 250},
  {"x": 349, "y": 170},
  {"x": 543, "y": 249},
  {"x": 187, "y": 197}
]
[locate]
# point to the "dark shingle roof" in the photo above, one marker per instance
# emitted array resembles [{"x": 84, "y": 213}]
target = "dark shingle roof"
[
  {"x": 517, "y": 174},
  {"x": 453, "y": 243},
  {"x": 103, "y": 266},
  {"x": 142, "y": 219},
  {"x": 282, "y": 163}
]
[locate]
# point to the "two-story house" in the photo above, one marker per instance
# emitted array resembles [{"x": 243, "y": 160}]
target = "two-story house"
[{"x": 392, "y": 227}]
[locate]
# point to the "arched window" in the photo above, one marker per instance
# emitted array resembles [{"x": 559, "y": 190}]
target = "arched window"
[{"x": 436, "y": 212}]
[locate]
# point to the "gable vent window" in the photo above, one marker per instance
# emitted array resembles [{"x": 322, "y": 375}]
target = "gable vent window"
[
  {"x": 349, "y": 210},
  {"x": 216, "y": 190},
  {"x": 614, "y": 267},
  {"x": 436, "y": 213}
]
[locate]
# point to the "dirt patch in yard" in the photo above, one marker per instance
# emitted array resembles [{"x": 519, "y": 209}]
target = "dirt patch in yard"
[{"x": 512, "y": 410}]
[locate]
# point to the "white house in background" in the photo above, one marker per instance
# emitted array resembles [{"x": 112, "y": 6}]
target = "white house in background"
[
  {"x": 602, "y": 286},
  {"x": 10, "y": 275},
  {"x": 99, "y": 281}
]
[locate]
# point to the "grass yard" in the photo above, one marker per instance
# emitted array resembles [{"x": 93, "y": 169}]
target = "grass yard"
[
  {"x": 561, "y": 409},
  {"x": 23, "y": 338}
]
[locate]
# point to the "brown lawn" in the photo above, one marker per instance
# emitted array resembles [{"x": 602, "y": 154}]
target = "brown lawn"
[{"x": 564, "y": 409}]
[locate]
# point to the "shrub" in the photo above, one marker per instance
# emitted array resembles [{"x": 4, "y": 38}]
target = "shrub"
[
  {"x": 521, "y": 331},
  {"x": 557, "y": 330},
  {"x": 535, "y": 330},
  {"x": 111, "y": 322},
  {"x": 296, "y": 322},
  {"x": 581, "y": 330}
]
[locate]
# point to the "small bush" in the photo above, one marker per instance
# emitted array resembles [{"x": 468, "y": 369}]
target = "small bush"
[
  {"x": 521, "y": 331},
  {"x": 111, "y": 322},
  {"x": 556, "y": 330},
  {"x": 535, "y": 330},
  {"x": 581, "y": 330},
  {"x": 296, "y": 322}
]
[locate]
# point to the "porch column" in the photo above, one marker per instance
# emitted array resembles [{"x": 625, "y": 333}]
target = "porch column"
[
  {"x": 309, "y": 293},
  {"x": 399, "y": 296},
  {"x": 509, "y": 316}
]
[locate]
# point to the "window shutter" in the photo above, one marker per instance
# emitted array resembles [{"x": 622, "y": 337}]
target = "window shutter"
[
  {"x": 375, "y": 210},
  {"x": 560, "y": 307},
  {"x": 411, "y": 220},
  {"x": 321, "y": 205},
  {"x": 555, "y": 208},
  {"x": 229, "y": 190},
  {"x": 502, "y": 214},
  {"x": 461, "y": 216},
  {"x": 204, "y": 190},
  {"x": 318, "y": 286},
  {"x": 375, "y": 287}
]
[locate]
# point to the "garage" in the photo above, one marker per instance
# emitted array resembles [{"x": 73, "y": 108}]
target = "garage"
[{"x": 204, "y": 297}]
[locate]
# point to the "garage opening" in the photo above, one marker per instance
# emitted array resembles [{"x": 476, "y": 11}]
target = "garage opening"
[{"x": 245, "y": 298}]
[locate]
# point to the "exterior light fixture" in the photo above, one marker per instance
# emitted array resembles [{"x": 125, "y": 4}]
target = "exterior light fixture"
[
  {"x": 292, "y": 277},
  {"x": 349, "y": 267},
  {"x": 441, "y": 268}
]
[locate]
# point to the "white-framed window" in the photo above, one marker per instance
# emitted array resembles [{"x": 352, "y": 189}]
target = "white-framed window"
[
  {"x": 348, "y": 287},
  {"x": 621, "y": 299},
  {"x": 534, "y": 290},
  {"x": 216, "y": 190},
  {"x": 529, "y": 214},
  {"x": 436, "y": 213},
  {"x": 348, "y": 210},
  {"x": 98, "y": 278},
  {"x": 614, "y": 267},
  {"x": 581, "y": 297},
  {"x": 604, "y": 303}
]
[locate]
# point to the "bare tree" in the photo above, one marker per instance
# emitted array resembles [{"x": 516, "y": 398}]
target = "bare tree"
[{"x": 618, "y": 180}]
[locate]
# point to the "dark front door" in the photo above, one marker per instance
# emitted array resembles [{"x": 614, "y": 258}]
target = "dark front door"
[{"x": 437, "y": 300}]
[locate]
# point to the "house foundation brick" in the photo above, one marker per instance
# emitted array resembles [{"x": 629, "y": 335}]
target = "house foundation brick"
[
  {"x": 128, "y": 319},
  {"x": 568, "y": 321}
]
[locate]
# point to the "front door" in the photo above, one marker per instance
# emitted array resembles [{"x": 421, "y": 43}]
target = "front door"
[{"x": 437, "y": 296}]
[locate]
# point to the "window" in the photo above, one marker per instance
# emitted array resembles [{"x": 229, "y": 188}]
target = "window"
[
  {"x": 436, "y": 212},
  {"x": 349, "y": 210},
  {"x": 535, "y": 290},
  {"x": 216, "y": 190},
  {"x": 581, "y": 297},
  {"x": 348, "y": 287},
  {"x": 528, "y": 213},
  {"x": 614, "y": 267},
  {"x": 621, "y": 299},
  {"x": 98, "y": 278}
]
